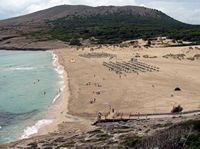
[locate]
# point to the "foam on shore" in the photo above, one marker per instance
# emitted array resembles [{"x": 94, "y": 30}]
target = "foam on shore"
[
  {"x": 31, "y": 130},
  {"x": 60, "y": 70}
]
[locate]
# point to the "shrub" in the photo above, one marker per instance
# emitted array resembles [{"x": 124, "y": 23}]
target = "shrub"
[
  {"x": 177, "y": 89},
  {"x": 177, "y": 109},
  {"x": 130, "y": 141},
  {"x": 75, "y": 41}
]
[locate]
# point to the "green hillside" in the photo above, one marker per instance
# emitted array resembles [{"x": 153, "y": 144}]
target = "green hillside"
[{"x": 118, "y": 26}]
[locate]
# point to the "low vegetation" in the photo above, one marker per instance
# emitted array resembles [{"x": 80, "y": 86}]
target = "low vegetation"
[
  {"x": 75, "y": 41},
  {"x": 177, "y": 109},
  {"x": 185, "y": 135},
  {"x": 118, "y": 27},
  {"x": 182, "y": 135}
]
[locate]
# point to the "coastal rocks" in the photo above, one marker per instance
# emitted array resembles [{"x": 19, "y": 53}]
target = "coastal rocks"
[
  {"x": 106, "y": 135},
  {"x": 33, "y": 145}
]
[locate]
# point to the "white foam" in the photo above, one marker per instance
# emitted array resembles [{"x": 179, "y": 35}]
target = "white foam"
[
  {"x": 0, "y": 127},
  {"x": 24, "y": 68},
  {"x": 18, "y": 68},
  {"x": 29, "y": 131},
  {"x": 62, "y": 88},
  {"x": 61, "y": 77},
  {"x": 57, "y": 96},
  {"x": 60, "y": 70},
  {"x": 62, "y": 83}
]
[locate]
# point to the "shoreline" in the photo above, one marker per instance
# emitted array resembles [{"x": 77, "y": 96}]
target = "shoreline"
[
  {"x": 59, "y": 107},
  {"x": 23, "y": 49},
  {"x": 57, "y": 110},
  {"x": 56, "y": 117}
]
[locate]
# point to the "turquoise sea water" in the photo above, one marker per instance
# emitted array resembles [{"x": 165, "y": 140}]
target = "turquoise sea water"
[{"x": 28, "y": 85}]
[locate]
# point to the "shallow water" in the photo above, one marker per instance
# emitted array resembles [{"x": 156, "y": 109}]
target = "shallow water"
[{"x": 28, "y": 85}]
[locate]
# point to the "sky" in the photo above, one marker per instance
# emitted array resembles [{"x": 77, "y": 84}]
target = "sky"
[{"x": 187, "y": 11}]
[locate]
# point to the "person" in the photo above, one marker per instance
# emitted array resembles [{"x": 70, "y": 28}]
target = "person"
[
  {"x": 91, "y": 102},
  {"x": 113, "y": 110},
  {"x": 99, "y": 116}
]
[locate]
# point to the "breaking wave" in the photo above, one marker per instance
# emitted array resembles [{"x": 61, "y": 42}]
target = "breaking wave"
[{"x": 29, "y": 131}]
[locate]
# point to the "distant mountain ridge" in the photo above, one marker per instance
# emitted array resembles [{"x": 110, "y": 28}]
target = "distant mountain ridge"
[{"x": 107, "y": 24}]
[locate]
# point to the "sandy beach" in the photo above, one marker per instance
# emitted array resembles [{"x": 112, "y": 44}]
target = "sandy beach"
[{"x": 91, "y": 88}]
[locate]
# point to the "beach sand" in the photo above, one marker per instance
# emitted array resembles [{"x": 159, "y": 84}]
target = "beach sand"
[{"x": 150, "y": 92}]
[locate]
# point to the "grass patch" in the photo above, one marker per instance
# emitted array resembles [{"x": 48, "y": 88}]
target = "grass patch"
[
  {"x": 193, "y": 141},
  {"x": 194, "y": 123},
  {"x": 130, "y": 141},
  {"x": 117, "y": 27}
]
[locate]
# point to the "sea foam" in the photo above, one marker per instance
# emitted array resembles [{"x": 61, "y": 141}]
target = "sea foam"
[
  {"x": 18, "y": 68},
  {"x": 29, "y": 131},
  {"x": 60, "y": 70}
]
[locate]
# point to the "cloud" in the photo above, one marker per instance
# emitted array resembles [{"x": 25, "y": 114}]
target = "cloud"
[
  {"x": 183, "y": 10},
  {"x": 11, "y": 8}
]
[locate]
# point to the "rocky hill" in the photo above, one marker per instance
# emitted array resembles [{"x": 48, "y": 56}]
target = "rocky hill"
[{"x": 40, "y": 17}]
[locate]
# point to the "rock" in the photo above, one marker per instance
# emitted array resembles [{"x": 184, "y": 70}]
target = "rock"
[{"x": 33, "y": 145}]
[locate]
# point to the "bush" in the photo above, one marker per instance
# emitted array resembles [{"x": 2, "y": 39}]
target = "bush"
[
  {"x": 149, "y": 43},
  {"x": 75, "y": 41},
  {"x": 177, "y": 89},
  {"x": 177, "y": 109},
  {"x": 130, "y": 141},
  {"x": 193, "y": 141}
]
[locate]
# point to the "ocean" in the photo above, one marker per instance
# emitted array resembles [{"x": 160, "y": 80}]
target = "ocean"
[{"x": 29, "y": 83}]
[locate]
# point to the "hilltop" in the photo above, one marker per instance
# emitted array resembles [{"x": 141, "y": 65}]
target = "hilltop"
[{"x": 68, "y": 11}]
